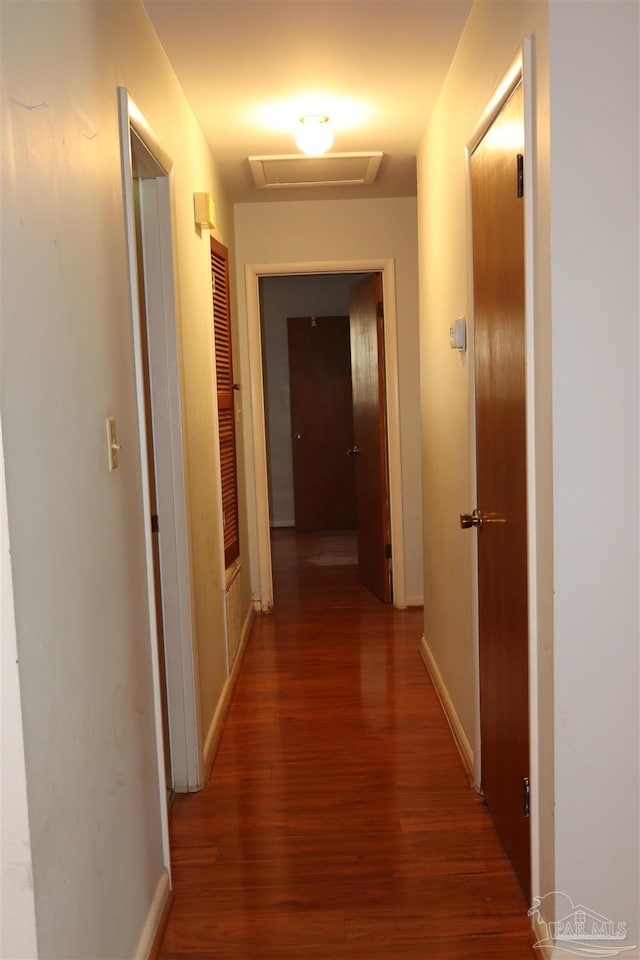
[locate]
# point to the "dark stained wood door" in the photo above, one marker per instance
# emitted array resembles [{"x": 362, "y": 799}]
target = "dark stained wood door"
[
  {"x": 499, "y": 344},
  {"x": 321, "y": 423},
  {"x": 370, "y": 435}
]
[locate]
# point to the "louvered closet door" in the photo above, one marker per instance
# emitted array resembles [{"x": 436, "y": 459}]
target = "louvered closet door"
[{"x": 224, "y": 377}]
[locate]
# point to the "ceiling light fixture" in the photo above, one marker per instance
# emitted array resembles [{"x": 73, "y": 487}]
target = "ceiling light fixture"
[{"x": 314, "y": 135}]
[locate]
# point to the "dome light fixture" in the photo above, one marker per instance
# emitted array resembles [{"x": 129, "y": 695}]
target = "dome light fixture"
[{"x": 314, "y": 135}]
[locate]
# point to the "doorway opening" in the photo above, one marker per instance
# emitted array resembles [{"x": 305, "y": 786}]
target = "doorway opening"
[
  {"x": 310, "y": 306},
  {"x": 325, "y": 416},
  {"x": 146, "y": 177},
  {"x": 351, "y": 271}
]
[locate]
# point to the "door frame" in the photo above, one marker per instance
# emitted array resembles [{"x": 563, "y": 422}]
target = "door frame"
[
  {"x": 253, "y": 273},
  {"x": 158, "y": 241},
  {"x": 520, "y": 70}
]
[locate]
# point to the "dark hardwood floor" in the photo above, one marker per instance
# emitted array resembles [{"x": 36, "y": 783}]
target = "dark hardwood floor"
[{"x": 338, "y": 822}]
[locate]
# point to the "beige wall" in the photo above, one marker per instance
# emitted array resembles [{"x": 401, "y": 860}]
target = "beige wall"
[
  {"x": 78, "y": 559},
  {"x": 291, "y": 232},
  {"x": 492, "y": 37},
  {"x": 584, "y": 408}
]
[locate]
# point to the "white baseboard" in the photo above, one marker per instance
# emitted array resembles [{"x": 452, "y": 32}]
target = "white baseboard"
[
  {"x": 539, "y": 933},
  {"x": 414, "y": 600},
  {"x": 246, "y": 632},
  {"x": 217, "y": 722},
  {"x": 462, "y": 741},
  {"x": 154, "y": 916},
  {"x": 215, "y": 727},
  {"x": 548, "y": 952}
]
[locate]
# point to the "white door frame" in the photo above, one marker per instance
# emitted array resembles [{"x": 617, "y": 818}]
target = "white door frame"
[
  {"x": 157, "y": 235},
  {"x": 253, "y": 272}
]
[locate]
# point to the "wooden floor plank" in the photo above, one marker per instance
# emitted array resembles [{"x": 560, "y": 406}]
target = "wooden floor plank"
[{"x": 339, "y": 823}]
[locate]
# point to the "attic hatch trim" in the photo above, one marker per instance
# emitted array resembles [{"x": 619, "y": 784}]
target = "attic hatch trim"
[{"x": 259, "y": 166}]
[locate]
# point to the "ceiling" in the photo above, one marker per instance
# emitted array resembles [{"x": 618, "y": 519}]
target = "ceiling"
[{"x": 250, "y": 70}]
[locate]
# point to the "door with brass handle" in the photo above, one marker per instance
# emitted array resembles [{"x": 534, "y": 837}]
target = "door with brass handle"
[
  {"x": 500, "y": 405},
  {"x": 478, "y": 519}
]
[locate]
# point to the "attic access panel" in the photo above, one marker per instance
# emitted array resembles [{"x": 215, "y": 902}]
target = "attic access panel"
[{"x": 333, "y": 170}]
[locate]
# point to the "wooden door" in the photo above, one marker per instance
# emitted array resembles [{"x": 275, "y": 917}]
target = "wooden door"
[
  {"x": 370, "y": 435},
  {"x": 501, "y": 516},
  {"x": 321, "y": 423}
]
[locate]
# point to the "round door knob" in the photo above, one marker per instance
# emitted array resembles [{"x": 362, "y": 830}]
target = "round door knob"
[
  {"x": 471, "y": 519},
  {"x": 353, "y": 451}
]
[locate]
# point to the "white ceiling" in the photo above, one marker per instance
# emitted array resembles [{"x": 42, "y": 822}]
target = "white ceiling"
[{"x": 251, "y": 69}]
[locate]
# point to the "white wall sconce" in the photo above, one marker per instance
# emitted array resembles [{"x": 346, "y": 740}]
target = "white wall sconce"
[
  {"x": 458, "y": 334},
  {"x": 314, "y": 135},
  {"x": 204, "y": 211}
]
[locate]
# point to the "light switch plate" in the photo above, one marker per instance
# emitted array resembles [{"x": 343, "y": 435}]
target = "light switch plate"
[{"x": 458, "y": 334}]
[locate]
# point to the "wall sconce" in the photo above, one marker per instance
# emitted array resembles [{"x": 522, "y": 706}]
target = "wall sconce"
[
  {"x": 204, "y": 211},
  {"x": 314, "y": 135}
]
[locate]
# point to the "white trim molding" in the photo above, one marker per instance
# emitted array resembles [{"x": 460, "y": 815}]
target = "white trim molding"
[
  {"x": 216, "y": 727},
  {"x": 158, "y": 276},
  {"x": 154, "y": 917},
  {"x": 18, "y": 932},
  {"x": 253, "y": 272},
  {"x": 461, "y": 740},
  {"x": 414, "y": 600}
]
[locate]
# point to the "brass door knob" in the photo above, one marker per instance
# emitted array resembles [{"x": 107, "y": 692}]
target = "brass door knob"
[
  {"x": 478, "y": 519},
  {"x": 471, "y": 519}
]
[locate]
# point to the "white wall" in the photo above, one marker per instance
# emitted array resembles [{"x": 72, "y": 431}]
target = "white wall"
[
  {"x": 595, "y": 84},
  {"x": 77, "y": 542},
  {"x": 282, "y": 297},
  {"x": 291, "y": 232}
]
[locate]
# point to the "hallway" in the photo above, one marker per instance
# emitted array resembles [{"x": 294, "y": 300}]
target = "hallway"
[{"x": 338, "y": 822}]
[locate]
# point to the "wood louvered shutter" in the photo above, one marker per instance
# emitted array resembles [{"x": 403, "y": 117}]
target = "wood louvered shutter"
[{"x": 224, "y": 378}]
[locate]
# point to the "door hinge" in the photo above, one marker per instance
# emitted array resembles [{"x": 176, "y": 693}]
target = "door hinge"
[
  {"x": 525, "y": 796},
  {"x": 520, "y": 175},
  {"x": 380, "y": 308},
  {"x": 155, "y": 523},
  {"x": 387, "y": 551}
]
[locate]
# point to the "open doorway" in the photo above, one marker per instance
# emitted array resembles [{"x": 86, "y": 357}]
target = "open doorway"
[
  {"x": 146, "y": 171},
  {"x": 261, "y": 546},
  {"x": 323, "y": 367},
  {"x": 283, "y": 298}
]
